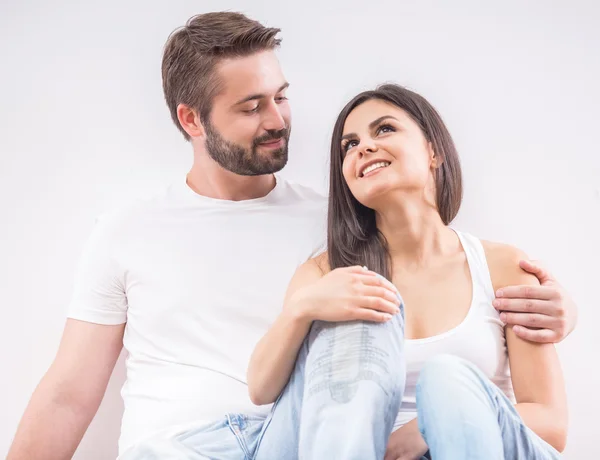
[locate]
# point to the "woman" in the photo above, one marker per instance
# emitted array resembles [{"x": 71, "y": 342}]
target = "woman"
[{"x": 435, "y": 367}]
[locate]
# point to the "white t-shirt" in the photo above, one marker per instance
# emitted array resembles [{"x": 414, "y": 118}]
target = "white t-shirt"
[{"x": 198, "y": 281}]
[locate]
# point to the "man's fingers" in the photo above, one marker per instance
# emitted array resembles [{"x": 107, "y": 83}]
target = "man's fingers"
[
  {"x": 530, "y": 320},
  {"x": 528, "y": 292},
  {"x": 539, "y": 335},
  {"x": 537, "y": 269},
  {"x": 543, "y": 307}
]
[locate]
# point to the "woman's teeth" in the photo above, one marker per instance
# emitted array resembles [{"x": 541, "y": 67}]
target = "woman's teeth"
[{"x": 373, "y": 167}]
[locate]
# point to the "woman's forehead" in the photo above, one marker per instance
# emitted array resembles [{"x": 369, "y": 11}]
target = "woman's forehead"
[{"x": 364, "y": 114}]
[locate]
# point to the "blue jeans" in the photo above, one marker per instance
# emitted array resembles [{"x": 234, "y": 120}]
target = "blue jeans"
[
  {"x": 341, "y": 402},
  {"x": 233, "y": 437},
  {"x": 343, "y": 396},
  {"x": 462, "y": 414}
]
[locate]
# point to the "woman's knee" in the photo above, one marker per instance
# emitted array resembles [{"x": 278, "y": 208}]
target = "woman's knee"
[
  {"x": 443, "y": 372},
  {"x": 343, "y": 356}
]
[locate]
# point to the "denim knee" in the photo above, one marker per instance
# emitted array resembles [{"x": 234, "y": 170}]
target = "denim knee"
[{"x": 443, "y": 373}]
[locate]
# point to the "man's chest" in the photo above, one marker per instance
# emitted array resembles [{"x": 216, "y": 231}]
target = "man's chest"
[{"x": 213, "y": 270}]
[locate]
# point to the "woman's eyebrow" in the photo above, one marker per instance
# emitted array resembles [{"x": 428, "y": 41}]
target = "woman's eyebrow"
[{"x": 371, "y": 126}]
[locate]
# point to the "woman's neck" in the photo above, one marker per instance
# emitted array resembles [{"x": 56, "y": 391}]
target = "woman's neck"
[{"x": 415, "y": 233}]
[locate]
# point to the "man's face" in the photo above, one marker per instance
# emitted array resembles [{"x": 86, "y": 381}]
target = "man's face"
[{"x": 248, "y": 128}]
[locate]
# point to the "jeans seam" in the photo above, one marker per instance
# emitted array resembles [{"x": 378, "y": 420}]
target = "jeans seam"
[{"x": 237, "y": 432}]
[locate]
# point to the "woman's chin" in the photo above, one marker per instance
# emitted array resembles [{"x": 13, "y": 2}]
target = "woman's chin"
[{"x": 373, "y": 195}]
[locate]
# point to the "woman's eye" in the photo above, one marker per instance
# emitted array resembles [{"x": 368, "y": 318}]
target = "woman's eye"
[
  {"x": 386, "y": 129},
  {"x": 350, "y": 144}
]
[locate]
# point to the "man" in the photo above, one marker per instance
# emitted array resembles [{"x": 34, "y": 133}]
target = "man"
[{"x": 189, "y": 280}]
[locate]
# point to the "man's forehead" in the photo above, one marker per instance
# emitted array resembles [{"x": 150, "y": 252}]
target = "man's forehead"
[{"x": 259, "y": 73}]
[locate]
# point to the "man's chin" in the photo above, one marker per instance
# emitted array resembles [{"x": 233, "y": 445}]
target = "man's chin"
[
  {"x": 272, "y": 168},
  {"x": 273, "y": 160}
]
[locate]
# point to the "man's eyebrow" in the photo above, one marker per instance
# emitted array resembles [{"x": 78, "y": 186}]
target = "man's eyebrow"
[
  {"x": 371, "y": 126},
  {"x": 254, "y": 97}
]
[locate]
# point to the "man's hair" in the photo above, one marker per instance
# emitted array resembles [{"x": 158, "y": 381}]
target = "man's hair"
[{"x": 192, "y": 53}]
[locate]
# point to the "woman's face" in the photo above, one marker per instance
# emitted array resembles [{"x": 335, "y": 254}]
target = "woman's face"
[{"x": 385, "y": 151}]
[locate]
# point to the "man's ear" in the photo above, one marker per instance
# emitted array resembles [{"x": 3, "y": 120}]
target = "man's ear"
[{"x": 190, "y": 121}]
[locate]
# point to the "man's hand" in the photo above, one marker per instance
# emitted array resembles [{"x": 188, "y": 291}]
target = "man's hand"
[
  {"x": 544, "y": 314},
  {"x": 406, "y": 443}
]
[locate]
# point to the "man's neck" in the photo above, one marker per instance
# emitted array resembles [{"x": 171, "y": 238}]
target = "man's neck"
[{"x": 209, "y": 179}]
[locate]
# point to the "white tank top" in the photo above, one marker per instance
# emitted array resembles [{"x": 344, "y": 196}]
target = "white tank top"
[{"x": 479, "y": 338}]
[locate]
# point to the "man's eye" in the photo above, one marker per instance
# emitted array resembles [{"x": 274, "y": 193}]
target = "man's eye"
[{"x": 280, "y": 99}]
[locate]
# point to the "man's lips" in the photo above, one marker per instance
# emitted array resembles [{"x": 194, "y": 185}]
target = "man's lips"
[{"x": 273, "y": 143}]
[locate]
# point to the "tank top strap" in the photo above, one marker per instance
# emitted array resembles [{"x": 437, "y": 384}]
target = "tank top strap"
[{"x": 482, "y": 280}]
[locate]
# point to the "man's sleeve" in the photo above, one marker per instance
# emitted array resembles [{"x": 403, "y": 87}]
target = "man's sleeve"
[{"x": 99, "y": 291}]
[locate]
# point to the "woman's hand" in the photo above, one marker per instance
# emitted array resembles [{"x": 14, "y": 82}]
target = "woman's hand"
[
  {"x": 346, "y": 294},
  {"x": 406, "y": 443}
]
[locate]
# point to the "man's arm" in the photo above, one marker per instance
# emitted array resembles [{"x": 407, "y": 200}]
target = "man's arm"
[{"x": 70, "y": 393}]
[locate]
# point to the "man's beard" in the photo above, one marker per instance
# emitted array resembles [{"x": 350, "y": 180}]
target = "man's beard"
[{"x": 248, "y": 162}]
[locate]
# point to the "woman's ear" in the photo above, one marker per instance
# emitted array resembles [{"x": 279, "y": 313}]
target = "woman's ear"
[{"x": 436, "y": 160}]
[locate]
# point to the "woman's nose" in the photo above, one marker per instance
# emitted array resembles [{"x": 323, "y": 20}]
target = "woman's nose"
[{"x": 367, "y": 146}]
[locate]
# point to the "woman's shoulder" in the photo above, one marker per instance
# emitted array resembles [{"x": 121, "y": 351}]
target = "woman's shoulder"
[
  {"x": 504, "y": 264},
  {"x": 310, "y": 271},
  {"x": 501, "y": 252},
  {"x": 317, "y": 265},
  {"x": 313, "y": 269}
]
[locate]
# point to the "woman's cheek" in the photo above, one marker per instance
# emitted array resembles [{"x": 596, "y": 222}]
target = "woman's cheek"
[{"x": 347, "y": 168}]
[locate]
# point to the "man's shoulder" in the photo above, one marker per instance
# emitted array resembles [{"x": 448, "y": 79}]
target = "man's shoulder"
[{"x": 133, "y": 211}]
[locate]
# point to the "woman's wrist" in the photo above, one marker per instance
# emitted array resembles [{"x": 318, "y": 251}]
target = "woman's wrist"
[{"x": 299, "y": 309}]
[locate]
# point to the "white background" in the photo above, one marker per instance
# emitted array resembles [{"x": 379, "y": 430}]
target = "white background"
[{"x": 84, "y": 127}]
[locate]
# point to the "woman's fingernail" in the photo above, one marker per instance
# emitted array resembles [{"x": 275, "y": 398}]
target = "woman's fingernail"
[
  {"x": 496, "y": 303},
  {"x": 499, "y": 293},
  {"x": 387, "y": 316}
]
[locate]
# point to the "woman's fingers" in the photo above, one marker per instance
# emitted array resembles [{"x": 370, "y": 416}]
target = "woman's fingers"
[
  {"x": 382, "y": 292},
  {"x": 358, "y": 270},
  {"x": 369, "y": 280},
  {"x": 366, "y": 314},
  {"x": 379, "y": 304}
]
